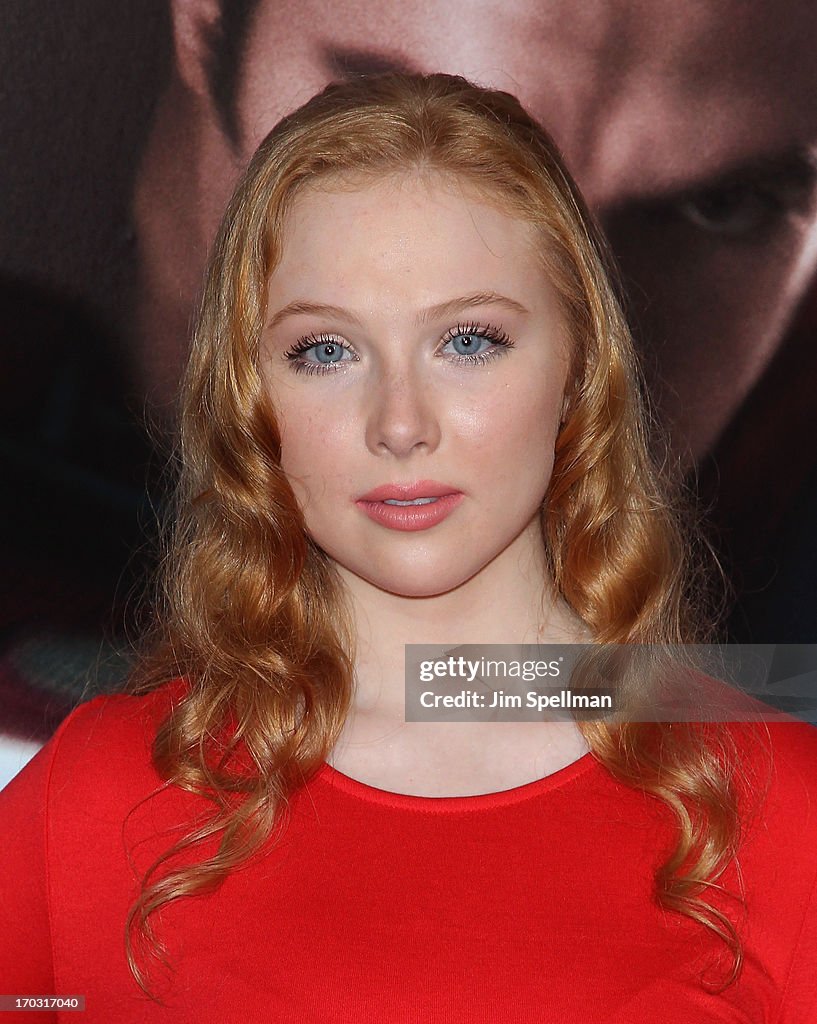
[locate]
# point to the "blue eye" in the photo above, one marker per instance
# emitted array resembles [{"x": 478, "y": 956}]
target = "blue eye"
[
  {"x": 329, "y": 350},
  {"x": 472, "y": 335}
]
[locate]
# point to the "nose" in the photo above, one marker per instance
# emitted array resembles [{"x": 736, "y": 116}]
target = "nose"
[{"x": 403, "y": 417}]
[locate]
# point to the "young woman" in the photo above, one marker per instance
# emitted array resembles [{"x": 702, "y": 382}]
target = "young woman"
[{"x": 411, "y": 415}]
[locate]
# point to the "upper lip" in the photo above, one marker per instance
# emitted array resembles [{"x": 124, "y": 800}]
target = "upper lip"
[{"x": 406, "y": 492}]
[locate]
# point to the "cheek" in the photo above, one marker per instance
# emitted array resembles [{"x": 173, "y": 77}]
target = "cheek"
[
  {"x": 512, "y": 422},
  {"x": 506, "y": 454},
  {"x": 314, "y": 452},
  {"x": 301, "y": 438},
  {"x": 307, "y": 455}
]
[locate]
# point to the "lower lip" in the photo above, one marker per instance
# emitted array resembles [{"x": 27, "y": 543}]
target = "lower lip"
[{"x": 411, "y": 517}]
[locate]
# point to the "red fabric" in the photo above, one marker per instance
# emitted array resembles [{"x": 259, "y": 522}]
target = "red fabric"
[{"x": 534, "y": 904}]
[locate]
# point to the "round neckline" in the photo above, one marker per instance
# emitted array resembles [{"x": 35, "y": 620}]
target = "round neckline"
[{"x": 446, "y": 804}]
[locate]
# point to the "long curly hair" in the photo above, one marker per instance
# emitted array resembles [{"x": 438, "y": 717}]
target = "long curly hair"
[{"x": 251, "y": 613}]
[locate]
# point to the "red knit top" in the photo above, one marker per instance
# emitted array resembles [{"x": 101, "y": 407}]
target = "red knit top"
[{"x": 532, "y": 904}]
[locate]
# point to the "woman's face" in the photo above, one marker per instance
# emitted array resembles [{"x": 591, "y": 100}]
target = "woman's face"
[{"x": 387, "y": 390}]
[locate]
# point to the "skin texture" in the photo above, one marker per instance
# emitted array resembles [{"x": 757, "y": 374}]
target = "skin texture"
[
  {"x": 688, "y": 127},
  {"x": 398, "y": 406}
]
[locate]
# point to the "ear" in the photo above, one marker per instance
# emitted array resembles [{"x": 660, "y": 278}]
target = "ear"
[{"x": 195, "y": 24}]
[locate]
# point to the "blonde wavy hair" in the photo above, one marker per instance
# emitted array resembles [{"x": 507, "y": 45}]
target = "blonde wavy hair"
[{"x": 251, "y": 613}]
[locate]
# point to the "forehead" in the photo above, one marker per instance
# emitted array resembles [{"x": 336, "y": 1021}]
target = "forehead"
[
  {"x": 641, "y": 97},
  {"x": 411, "y": 227},
  {"x": 394, "y": 250}
]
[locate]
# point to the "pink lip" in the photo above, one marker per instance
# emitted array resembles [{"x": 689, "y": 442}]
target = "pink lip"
[
  {"x": 411, "y": 517},
  {"x": 407, "y": 492}
]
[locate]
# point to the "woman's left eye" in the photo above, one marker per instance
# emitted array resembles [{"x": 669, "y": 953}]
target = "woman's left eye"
[{"x": 467, "y": 340}]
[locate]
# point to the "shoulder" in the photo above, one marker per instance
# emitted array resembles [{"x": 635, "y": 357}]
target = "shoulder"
[
  {"x": 774, "y": 756},
  {"x": 103, "y": 748},
  {"x": 794, "y": 747},
  {"x": 782, "y": 754},
  {"x": 94, "y": 768},
  {"x": 778, "y": 769},
  {"x": 777, "y": 861}
]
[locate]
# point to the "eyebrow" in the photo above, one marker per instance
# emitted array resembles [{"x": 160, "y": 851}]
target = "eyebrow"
[
  {"x": 352, "y": 62},
  {"x": 438, "y": 312},
  {"x": 791, "y": 171}
]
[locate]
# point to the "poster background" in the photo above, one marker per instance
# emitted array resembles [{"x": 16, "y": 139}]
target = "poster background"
[{"x": 80, "y": 441}]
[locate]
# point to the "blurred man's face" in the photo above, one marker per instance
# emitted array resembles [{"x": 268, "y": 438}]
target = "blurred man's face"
[{"x": 688, "y": 129}]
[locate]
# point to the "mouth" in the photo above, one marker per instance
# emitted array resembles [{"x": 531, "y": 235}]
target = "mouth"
[
  {"x": 410, "y": 514},
  {"x": 419, "y": 492},
  {"x": 414, "y": 501}
]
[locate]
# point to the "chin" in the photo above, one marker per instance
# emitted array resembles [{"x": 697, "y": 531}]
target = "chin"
[{"x": 417, "y": 582}]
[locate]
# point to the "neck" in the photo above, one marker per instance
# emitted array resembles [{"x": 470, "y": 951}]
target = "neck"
[{"x": 510, "y": 601}]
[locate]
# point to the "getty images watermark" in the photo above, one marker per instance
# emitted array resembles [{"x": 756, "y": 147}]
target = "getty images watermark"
[{"x": 616, "y": 682}]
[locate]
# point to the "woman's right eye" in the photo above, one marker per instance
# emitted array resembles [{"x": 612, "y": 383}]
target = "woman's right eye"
[{"x": 328, "y": 351}]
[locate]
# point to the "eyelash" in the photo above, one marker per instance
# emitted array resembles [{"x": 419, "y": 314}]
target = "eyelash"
[{"x": 500, "y": 339}]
